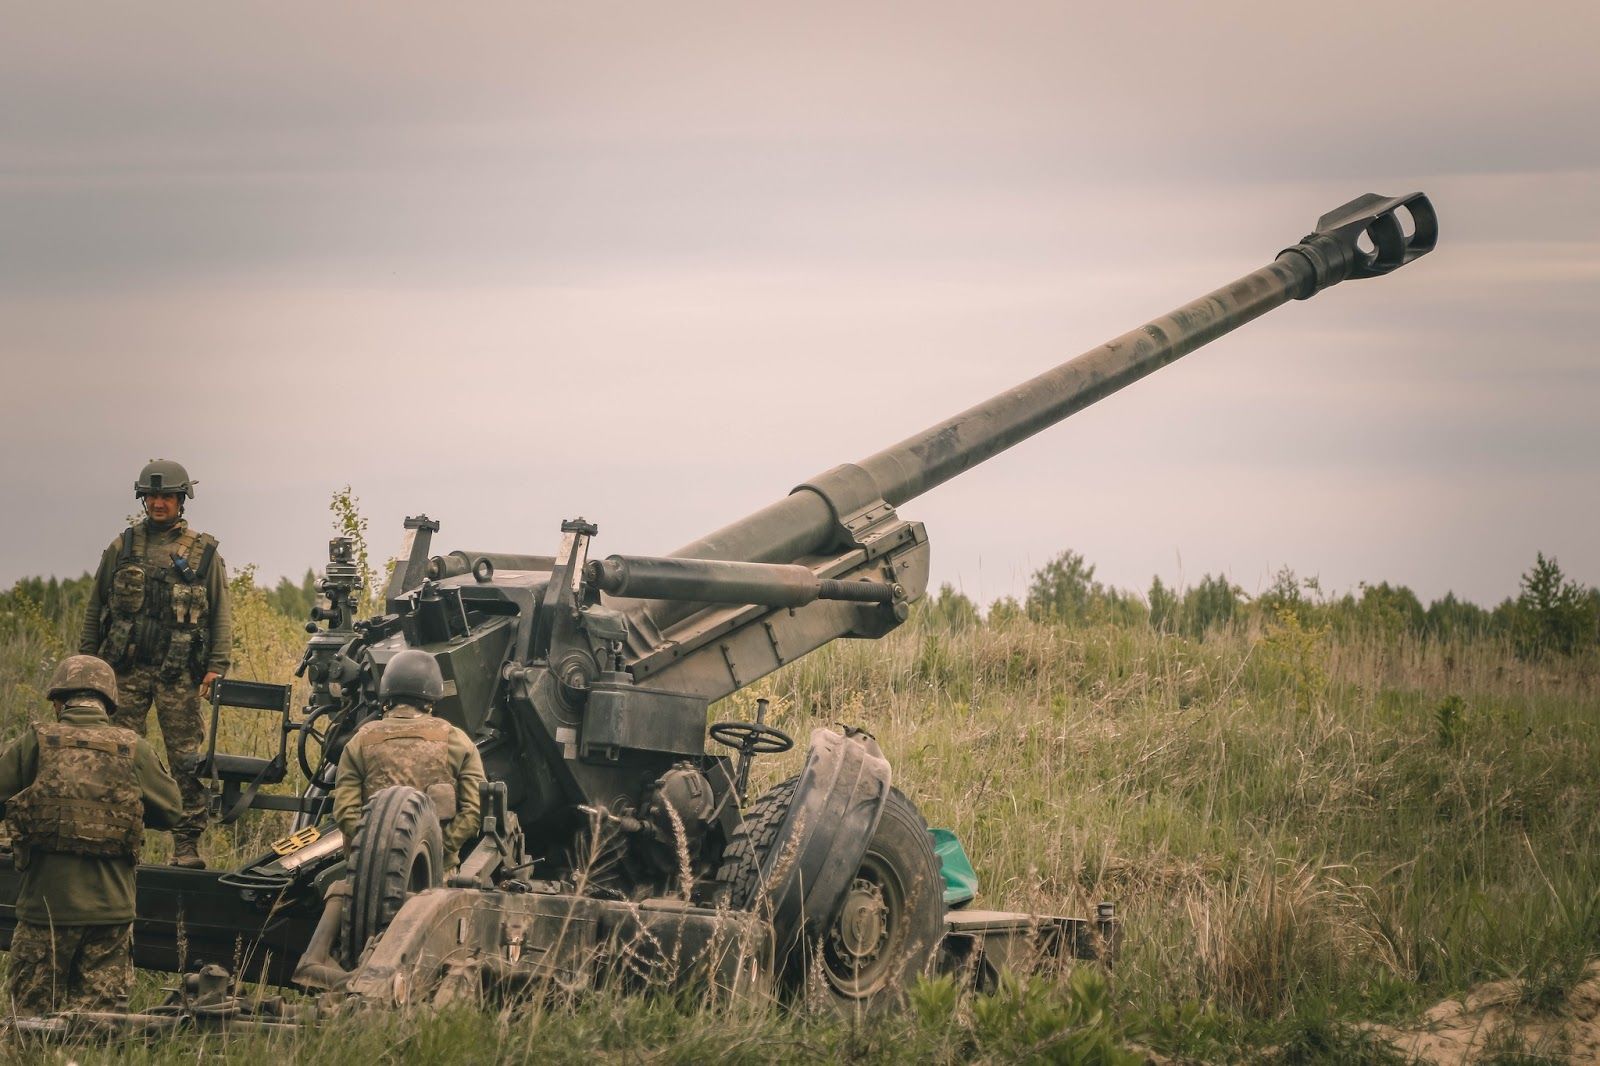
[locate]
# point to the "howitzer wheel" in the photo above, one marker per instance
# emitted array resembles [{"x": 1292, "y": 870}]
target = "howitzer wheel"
[
  {"x": 890, "y": 922},
  {"x": 398, "y": 851}
]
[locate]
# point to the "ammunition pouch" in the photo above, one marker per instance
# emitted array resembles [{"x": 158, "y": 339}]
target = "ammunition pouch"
[
  {"x": 189, "y": 604},
  {"x": 180, "y": 652},
  {"x": 117, "y": 646},
  {"x": 127, "y": 591}
]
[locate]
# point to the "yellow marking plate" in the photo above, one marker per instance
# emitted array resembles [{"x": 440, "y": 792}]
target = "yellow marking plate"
[{"x": 295, "y": 841}]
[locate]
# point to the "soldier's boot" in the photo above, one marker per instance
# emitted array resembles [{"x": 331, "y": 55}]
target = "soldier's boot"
[{"x": 186, "y": 851}]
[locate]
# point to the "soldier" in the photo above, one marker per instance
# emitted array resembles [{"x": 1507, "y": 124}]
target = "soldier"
[
  {"x": 408, "y": 746},
  {"x": 159, "y": 614},
  {"x": 77, "y": 794}
]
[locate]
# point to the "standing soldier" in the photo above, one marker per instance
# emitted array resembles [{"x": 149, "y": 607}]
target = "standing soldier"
[
  {"x": 159, "y": 614},
  {"x": 408, "y": 746},
  {"x": 77, "y": 793}
]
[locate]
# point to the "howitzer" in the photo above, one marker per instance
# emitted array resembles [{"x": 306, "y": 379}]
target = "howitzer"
[{"x": 613, "y": 841}]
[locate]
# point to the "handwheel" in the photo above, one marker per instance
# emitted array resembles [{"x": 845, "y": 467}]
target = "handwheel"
[
  {"x": 316, "y": 728},
  {"x": 751, "y": 737}
]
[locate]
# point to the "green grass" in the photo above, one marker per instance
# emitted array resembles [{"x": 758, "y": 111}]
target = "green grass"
[
  {"x": 1022, "y": 1023},
  {"x": 1276, "y": 813},
  {"x": 1301, "y": 829}
]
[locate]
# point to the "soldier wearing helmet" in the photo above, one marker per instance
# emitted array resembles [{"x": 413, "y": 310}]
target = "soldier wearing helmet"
[
  {"x": 159, "y": 614},
  {"x": 78, "y": 793},
  {"x": 408, "y": 746}
]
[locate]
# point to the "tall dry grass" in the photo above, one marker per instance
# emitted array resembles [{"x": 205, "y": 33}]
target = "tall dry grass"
[
  {"x": 1277, "y": 812},
  {"x": 1294, "y": 824}
]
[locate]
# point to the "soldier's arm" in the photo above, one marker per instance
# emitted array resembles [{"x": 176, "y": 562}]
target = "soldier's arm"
[
  {"x": 163, "y": 803},
  {"x": 221, "y": 650},
  {"x": 469, "y": 803},
  {"x": 347, "y": 790},
  {"x": 89, "y": 636},
  {"x": 18, "y": 763}
]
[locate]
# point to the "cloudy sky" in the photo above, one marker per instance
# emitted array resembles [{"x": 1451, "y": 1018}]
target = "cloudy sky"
[{"x": 656, "y": 263}]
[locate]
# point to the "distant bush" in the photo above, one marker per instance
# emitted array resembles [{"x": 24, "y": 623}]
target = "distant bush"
[
  {"x": 1005, "y": 611},
  {"x": 1450, "y": 618},
  {"x": 1064, "y": 590},
  {"x": 1191, "y": 612},
  {"x": 1554, "y": 615},
  {"x": 949, "y": 610},
  {"x": 294, "y": 601}
]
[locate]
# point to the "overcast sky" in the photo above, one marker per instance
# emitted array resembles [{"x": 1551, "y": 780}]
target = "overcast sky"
[{"x": 656, "y": 263}]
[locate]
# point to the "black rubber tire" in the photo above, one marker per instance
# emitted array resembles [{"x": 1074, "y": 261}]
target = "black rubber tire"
[
  {"x": 900, "y": 870},
  {"x": 739, "y": 875},
  {"x": 397, "y": 852}
]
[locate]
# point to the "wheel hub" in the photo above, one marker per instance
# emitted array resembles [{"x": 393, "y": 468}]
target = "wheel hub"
[{"x": 862, "y": 927}]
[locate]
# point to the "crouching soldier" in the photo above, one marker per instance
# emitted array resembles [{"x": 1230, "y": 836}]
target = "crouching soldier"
[
  {"x": 78, "y": 793},
  {"x": 408, "y": 746}
]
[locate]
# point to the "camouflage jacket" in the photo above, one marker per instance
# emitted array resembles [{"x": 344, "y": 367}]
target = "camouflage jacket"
[
  {"x": 147, "y": 606},
  {"x": 68, "y": 889},
  {"x": 363, "y": 770}
]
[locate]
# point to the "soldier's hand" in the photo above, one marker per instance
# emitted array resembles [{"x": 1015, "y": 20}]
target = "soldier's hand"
[{"x": 206, "y": 683}]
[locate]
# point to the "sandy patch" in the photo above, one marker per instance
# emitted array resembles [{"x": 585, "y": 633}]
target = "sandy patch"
[{"x": 1459, "y": 1031}]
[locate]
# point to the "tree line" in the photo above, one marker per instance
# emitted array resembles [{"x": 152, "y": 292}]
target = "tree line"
[{"x": 1550, "y": 615}]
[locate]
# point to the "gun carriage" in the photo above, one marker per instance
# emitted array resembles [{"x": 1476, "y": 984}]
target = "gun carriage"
[{"x": 615, "y": 845}]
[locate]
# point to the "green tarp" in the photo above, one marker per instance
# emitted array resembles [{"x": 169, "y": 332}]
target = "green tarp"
[{"x": 960, "y": 880}]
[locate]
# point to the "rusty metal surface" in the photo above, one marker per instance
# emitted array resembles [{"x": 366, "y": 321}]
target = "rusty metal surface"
[{"x": 450, "y": 943}]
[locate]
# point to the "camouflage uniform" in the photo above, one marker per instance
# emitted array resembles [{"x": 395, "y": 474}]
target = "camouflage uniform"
[
  {"x": 159, "y": 613},
  {"x": 77, "y": 794},
  {"x": 182, "y": 729},
  {"x": 81, "y": 967},
  {"x": 408, "y": 746}
]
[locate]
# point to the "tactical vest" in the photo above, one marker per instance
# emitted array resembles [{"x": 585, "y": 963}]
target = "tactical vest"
[
  {"x": 412, "y": 751},
  {"x": 85, "y": 797},
  {"x": 158, "y": 610}
]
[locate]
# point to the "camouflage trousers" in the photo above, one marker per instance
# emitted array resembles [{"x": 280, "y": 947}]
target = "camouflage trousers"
[
  {"x": 70, "y": 967},
  {"x": 182, "y": 728}
]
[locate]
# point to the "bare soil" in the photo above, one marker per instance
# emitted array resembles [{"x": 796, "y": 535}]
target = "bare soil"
[{"x": 1492, "y": 1019}]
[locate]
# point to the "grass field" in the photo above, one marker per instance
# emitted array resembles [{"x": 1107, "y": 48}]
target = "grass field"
[{"x": 1302, "y": 831}]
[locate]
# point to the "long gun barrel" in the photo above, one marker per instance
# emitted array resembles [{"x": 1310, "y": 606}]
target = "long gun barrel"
[{"x": 816, "y": 514}]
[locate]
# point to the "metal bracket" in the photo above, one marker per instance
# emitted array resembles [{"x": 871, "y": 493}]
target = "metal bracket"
[
  {"x": 854, "y": 498},
  {"x": 414, "y": 549},
  {"x": 557, "y": 613}
]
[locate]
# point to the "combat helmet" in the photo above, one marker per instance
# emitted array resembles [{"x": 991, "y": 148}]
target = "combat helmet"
[
  {"x": 412, "y": 676},
  {"x": 163, "y": 475},
  {"x": 84, "y": 673}
]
